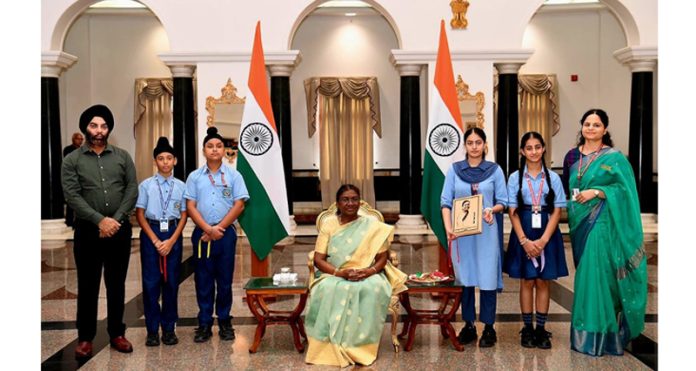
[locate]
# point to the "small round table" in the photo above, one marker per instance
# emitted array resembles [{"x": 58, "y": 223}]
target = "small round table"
[{"x": 259, "y": 287}]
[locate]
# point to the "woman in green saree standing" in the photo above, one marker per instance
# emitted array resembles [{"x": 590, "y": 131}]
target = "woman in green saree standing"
[
  {"x": 348, "y": 303},
  {"x": 607, "y": 238}
]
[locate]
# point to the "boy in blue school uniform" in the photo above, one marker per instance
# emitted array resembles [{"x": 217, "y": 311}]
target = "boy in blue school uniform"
[
  {"x": 215, "y": 197},
  {"x": 161, "y": 213}
]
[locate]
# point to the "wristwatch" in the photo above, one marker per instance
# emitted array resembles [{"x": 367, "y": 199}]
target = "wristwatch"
[{"x": 596, "y": 193}]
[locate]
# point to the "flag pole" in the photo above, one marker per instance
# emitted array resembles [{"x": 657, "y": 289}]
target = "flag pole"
[{"x": 259, "y": 268}]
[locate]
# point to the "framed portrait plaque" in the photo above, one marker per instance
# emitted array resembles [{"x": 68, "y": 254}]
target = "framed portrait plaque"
[{"x": 467, "y": 215}]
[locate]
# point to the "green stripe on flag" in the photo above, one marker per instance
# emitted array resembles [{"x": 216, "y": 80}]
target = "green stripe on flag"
[
  {"x": 259, "y": 218},
  {"x": 433, "y": 181}
]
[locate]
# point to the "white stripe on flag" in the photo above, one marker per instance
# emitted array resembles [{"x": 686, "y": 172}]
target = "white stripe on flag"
[
  {"x": 439, "y": 113},
  {"x": 269, "y": 166}
]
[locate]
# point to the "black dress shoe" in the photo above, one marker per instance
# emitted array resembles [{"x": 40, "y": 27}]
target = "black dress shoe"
[
  {"x": 542, "y": 338},
  {"x": 203, "y": 334},
  {"x": 169, "y": 338},
  {"x": 226, "y": 331},
  {"x": 152, "y": 340},
  {"x": 527, "y": 337},
  {"x": 488, "y": 339},
  {"x": 467, "y": 334}
]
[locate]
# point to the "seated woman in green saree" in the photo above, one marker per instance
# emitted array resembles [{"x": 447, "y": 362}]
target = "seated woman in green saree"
[
  {"x": 348, "y": 303},
  {"x": 607, "y": 237}
]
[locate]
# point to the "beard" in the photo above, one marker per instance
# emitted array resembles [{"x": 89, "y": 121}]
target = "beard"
[{"x": 96, "y": 140}]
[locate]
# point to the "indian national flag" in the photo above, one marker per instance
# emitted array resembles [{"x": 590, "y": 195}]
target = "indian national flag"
[
  {"x": 444, "y": 138},
  {"x": 265, "y": 218}
]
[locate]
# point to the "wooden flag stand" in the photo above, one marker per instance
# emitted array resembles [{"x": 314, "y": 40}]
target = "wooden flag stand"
[
  {"x": 259, "y": 268},
  {"x": 444, "y": 265},
  {"x": 444, "y": 262}
]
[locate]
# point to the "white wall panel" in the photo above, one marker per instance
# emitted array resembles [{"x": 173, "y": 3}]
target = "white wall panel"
[
  {"x": 581, "y": 43},
  {"x": 346, "y": 46},
  {"x": 112, "y": 52}
]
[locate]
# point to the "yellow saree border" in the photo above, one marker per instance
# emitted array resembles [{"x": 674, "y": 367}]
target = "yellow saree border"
[{"x": 325, "y": 353}]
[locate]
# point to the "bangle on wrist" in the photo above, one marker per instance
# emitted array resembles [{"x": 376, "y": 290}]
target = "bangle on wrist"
[
  {"x": 374, "y": 269},
  {"x": 523, "y": 241},
  {"x": 335, "y": 271},
  {"x": 489, "y": 209}
]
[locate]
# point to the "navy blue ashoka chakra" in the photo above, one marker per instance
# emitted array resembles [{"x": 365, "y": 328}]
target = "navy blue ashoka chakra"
[
  {"x": 256, "y": 139},
  {"x": 444, "y": 139}
]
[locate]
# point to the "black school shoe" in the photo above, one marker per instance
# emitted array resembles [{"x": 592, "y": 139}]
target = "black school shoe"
[
  {"x": 542, "y": 338},
  {"x": 203, "y": 334},
  {"x": 169, "y": 338},
  {"x": 527, "y": 337},
  {"x": 152, "y": 340},
  {"x": 226, "y": 331},
  {"x": 489, "y": 338},
  {"x": 467, "y": 334}
]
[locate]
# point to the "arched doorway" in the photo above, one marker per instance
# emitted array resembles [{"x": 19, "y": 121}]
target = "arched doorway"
[
  {"x": 575, "y": 45},
  {"x": 345, "y": 42},
  {"x": 115, "y": 47}
]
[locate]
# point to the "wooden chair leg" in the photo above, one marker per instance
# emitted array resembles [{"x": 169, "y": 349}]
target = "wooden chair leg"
[{"x": 394, "y": 309}]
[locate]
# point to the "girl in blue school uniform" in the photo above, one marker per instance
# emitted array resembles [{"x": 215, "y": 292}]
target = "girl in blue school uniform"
[
  {"x": 535, "y": 252},
  {"x": 215, "y": 195},
  {"x": 161, "y": 213},
  {"x": 477, "y": 259}
]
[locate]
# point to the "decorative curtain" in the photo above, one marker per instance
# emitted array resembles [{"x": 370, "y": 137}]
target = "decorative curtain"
[
  {"x": 345, "y": 111},
  {"x": 153, "y": 119},
  {"x": 538, "y": 106}
]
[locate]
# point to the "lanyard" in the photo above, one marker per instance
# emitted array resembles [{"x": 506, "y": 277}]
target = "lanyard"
[
  {"x": 449, "y": 247},
  {"x": 212, "y": 181},
  {"x": 165, "y": 205},
  {"x": 536, "y": 201},
  {"x": 582, "y": 171},
  {"x": 163, "y": 266},
  {"x": 199, "y": 249}
]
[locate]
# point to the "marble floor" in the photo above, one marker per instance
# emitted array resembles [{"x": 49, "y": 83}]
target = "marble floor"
[{"x": 430, "y": 350}]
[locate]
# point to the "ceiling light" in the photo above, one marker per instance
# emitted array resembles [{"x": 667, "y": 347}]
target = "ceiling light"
[
  {"x": 556, "y": 2},
  {"x": 123, "y": 4},
  {"x": 350, "y": 14},
  {"x": 345, "y": 4}
]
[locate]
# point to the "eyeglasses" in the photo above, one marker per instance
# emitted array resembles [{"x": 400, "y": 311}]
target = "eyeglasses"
[{"x": 347, "y": 200}]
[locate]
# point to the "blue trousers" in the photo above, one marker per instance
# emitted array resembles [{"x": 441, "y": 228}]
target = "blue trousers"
[
  {"x": 488, "y": 302},
  {"x": 154, "y": 283},
  {"x": 214, "y": 267}
]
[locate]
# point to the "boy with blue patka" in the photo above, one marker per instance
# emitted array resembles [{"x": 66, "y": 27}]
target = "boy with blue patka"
[
  {"x": 161, "y": 213},
  {"x": 215, "y": 197}
]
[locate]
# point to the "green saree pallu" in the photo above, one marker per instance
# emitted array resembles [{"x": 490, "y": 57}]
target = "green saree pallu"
[
  {"x": 345, "y": 319},
  {"x": 607, "y": 237}
]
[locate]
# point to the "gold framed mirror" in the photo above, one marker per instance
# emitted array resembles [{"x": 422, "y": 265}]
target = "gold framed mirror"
[
  {"x": 470, "y": 106},
  {"x": 225, "y": 113}
]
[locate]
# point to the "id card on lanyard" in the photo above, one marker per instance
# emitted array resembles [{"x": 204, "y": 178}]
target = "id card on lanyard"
[
  {"x": 536, "y": 201},
  {"x": 226, "y": 191},
  {"x": 164, "y": 222}
]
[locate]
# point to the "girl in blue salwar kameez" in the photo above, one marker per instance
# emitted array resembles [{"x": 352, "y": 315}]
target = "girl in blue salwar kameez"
[{"x": 477, "y": 259}]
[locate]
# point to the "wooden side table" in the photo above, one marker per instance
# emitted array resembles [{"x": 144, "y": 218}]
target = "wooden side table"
[
  {"x": 259, "y": 287},
  {"x": 449, "y": 294}
]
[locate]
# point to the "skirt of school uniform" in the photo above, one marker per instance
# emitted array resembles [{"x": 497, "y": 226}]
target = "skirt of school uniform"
[{"x": 517, "y": 265}]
